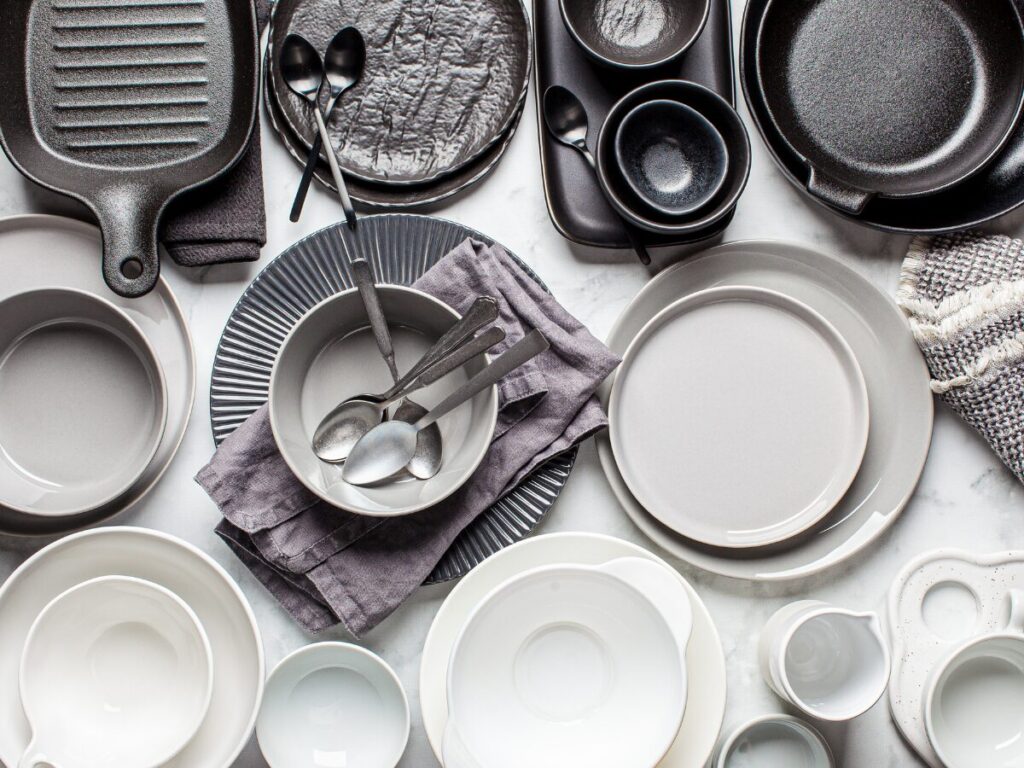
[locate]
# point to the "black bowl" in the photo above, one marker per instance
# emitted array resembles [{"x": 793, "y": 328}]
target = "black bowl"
[
  {"x": 671, "y": 156},
  {"x": 635, "y": 34},
  {"x": 725, "y": 121}
]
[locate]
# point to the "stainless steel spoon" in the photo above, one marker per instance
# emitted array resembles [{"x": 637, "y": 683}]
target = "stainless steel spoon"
[
  {"x": 391, "y": 445},
  {"x": 343, "y": 66},
  {"x": 566, "y": 120},
  {"x": 340, "y": 429},
  {"x": 303, "y": 71}
]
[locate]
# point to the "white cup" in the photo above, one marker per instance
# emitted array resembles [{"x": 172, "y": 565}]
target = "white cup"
[
  {"x": 974, "y": 702},
  {"x": 774, "y": 740},
  {"x": 830, "y": 663}
]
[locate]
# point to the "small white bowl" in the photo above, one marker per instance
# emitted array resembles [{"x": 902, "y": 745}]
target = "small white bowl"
[
  {"x": 557, "y": 659},
  {"x": 774, "y": 740},
  {"x": 333, "y": 704},
  {"x": 330, "y": 355},
  {"x": 116, "y": 673}
]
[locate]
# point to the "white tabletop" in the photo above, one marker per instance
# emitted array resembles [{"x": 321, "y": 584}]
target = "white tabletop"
[{"x": 965, "y": 499}]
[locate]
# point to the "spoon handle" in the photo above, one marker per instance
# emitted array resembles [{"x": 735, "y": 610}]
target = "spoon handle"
[
  {"x": 307, "y": 178},
  {"x": 523, "y": 351},
  {"x": 483, "y": 311},
  {"x": 458, "y": 358},
  {"x": 332, "y": 161},
  {"x": 378, "y": 322}
]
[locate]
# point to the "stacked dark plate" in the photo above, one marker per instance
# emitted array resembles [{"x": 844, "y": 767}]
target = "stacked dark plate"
[
  {"x": 438, "y": 103},
  {"x": 901, "y": 116}
]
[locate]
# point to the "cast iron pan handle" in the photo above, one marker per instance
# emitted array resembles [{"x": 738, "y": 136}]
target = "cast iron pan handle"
[
  {"x": 837, "y": 194},
  {"x": 131, "y": 261}
]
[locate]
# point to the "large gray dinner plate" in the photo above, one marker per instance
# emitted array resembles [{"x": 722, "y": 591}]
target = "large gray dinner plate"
[
  {"x": 901, "y": 408},
  {"x": 400, "y": 247},
  {"x": 443, "y": 81}
]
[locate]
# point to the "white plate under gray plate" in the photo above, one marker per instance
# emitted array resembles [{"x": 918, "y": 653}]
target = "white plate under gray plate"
[
  {"x": 237, "y": 650},
  {"x": 38, "y": 251},
  {"x": 939, "y": 601},
  {"x": 897, "y": 383},
  {"x": 738, "y": 417},
  {"x": 705, "y": 661}
]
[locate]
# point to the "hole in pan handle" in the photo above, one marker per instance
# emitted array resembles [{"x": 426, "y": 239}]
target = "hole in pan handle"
[
  {"x": 131, "y": 261},
  {"x": 837, "y": 194}
]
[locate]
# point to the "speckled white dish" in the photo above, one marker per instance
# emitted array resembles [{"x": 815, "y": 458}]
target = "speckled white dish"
[
  {"x": 41, "y": 252},
  {"x": 718, "y": 401},
  {"x": 938, "y": 603},
  {"x": 897, "y": 383},
  {"x": 333, "y": 705},
  {"x": 193, "y": 576},
  {"x": 705, "y": 661}
]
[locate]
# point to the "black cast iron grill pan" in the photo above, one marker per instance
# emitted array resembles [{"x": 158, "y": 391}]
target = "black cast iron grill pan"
[{"x": 125, "y": 104}]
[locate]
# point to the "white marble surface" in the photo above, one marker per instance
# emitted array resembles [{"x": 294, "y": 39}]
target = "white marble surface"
[{"x": 966, "y": 498}]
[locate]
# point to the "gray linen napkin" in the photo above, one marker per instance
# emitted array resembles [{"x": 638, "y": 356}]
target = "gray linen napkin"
[
  {"x": 224, "y": 221},
  {"x": 326, "y": 565},
  {"x": 964, "y": 296}
]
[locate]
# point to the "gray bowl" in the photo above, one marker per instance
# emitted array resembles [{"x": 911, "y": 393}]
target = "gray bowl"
[
  {"x": 83, "y": 403},
  {"x": 330, "y": 355},
  {"x": 672, "y": 156},
  {"x": 635, "y": 34}
]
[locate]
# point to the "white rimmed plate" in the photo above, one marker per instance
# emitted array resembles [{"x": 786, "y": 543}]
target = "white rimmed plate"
[
  {"x": 738, "y": 417},
  {"x": 203, "y": 585},
  {"x": 894, "y": 371},
  {"x": 40, "y": 251},
  {"x": 705, "y": 661}
]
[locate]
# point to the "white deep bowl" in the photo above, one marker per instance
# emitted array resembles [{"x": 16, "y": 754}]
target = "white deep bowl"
[
  {"x": 571, "y": 665},
  {"x": 116, "y": 673},
  {"x": 333, "y": 705}
]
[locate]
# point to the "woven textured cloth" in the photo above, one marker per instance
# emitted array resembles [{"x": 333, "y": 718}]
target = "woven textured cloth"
[{"x": 964, "y": 296}]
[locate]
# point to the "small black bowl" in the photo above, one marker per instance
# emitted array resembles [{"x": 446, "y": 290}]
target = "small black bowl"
[
  {"x": 635, "y": 34},
  {"x": 726, "y": 122},
  {"x": 671, "y": 156}
]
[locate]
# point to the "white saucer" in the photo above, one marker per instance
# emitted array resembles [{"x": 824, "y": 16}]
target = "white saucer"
[
  {"x": 171, "y": 563},
  {"x": 738, "y": 417},
  {"x": 705, "y": 661},
  {"x": 39, "y": 251},
  {"x": 937, "y": 602},
  {"x": 894, "y": 372}
]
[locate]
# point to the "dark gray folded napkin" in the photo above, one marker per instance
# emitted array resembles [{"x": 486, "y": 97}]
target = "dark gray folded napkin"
[
  {"x": 326, "y": 565},
  {"x": 224, "y": 221}
]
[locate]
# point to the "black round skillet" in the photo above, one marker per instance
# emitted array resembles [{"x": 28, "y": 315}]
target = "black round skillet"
[{"x": 883, "y": 98}]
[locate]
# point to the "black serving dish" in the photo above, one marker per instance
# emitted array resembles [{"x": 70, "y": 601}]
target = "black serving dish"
[
  {"x": 575, "y": 201},
  {"x": 994, "y": 191}
]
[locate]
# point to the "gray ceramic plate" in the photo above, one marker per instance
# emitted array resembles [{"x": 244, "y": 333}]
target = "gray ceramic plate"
[
  {"x": 400, "y": 247},
  {"x": 385, "y": 197},
  {"x": 45, "y": 251},
  {"x": 443, "y": 81}
]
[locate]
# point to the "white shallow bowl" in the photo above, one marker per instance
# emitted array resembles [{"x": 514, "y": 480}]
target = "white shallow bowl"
[
  {"x": 775, "y": 741},
  {"x": 333, "y": 705},
  {"x": 116, "y": 673},
  {"x": 83, "y": 404},
  {"x": 330, "y": 355},
  {"x": 238, "y": 663},
  {"x": 571, "y": 665}
]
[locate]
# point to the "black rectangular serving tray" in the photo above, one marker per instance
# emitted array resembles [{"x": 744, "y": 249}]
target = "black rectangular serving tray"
[{"x": 575, "y": 201}]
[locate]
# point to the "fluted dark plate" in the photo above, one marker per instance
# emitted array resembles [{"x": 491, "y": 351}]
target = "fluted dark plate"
[{"x": 401, "y": 247}]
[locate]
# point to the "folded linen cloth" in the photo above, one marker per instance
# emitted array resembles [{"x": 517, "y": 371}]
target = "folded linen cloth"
[
  {"x": 326, "y": 565},
  {"x": 964, "y": 296},
  {"x": 224, "y": 221}
]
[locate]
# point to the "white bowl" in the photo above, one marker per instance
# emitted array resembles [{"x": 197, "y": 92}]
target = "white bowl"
[
  {"x": 116, "y": 673},
  {"x": 571, "y": 665},
  {"x": 330, "y": 355},
  {"x": 333, "y": 705},
  {"x": 775, "y": 740}
]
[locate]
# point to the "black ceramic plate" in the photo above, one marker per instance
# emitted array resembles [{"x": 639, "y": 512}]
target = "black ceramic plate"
[
  {"x": 401, "y": 247},
  {"x": 994, "y": 191},
  {"x": 388, "y": 197},
  {"x": 890, "y": 98},
  {"x": 576, "y": 204},
  {"x": 443, "y": 82}
]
